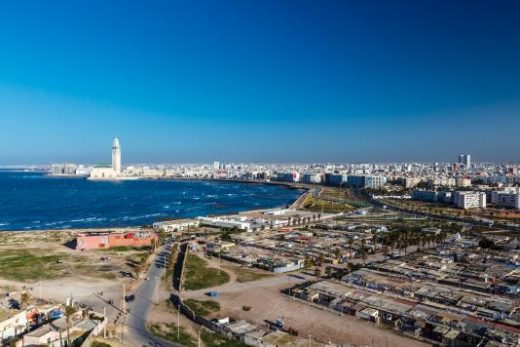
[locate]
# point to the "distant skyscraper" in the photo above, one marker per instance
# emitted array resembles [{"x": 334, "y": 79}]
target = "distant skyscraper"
[
  {"x": 216, "y": 165},
  {"x": 116, "y": 156},
  {"x": 465, "y": 159}
]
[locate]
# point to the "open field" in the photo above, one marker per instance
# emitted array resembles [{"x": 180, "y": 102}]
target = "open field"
[
  {"x": 45, "y": 263},
  {"x": 211, "y": 339},
  {"x": 30, "y": 264},
  {"x": 35, "y": 256},
  {"x": 346, "y": 195},
  {"x": 199, "y": 276},
  {"x": 266, "y": 302},
  {"x": 318, "y": 205},
  {"x": 168, "y": 331},
  {"x": 202, "y": 307},
  {"x": 244, "y": 274}
]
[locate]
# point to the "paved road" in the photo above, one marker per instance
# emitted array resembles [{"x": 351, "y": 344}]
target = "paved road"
[{"x": 145, "y": 297}]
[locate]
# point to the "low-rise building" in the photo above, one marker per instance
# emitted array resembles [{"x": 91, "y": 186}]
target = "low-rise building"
[
  {"x": 12, "y": 323},
  {"x": 229, "y": 223},
  {"x": 104, "y": 240},
  {"x": 176, "y": 225}
]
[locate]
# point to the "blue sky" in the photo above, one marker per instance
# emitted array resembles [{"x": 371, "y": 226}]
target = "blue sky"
[{"x": 265, "y": 81}]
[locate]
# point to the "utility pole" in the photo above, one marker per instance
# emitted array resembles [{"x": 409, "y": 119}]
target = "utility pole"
[
  {"x": 123, "y": 330},
  {"x": 106, "y": 321},
  {"x": 124, "y": 298},
  {"x": 178, "y": 323},
  {"x": 219, "y": 261},
  {"x": 156, "y": 290}
]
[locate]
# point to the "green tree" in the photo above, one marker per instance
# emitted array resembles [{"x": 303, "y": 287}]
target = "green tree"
[
  {"x": 70, "y": 310},
  {"x": 25, "y": 298},
  {"x": 363, "y": 250}
]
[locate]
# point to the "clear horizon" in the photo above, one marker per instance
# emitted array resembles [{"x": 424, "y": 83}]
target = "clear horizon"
[{"x": 292, "y": 81}]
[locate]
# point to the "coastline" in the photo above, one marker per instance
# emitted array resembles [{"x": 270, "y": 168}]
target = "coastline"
[
  {"x": 301, "y": 188},
  {"x": 290, "y": 185}
]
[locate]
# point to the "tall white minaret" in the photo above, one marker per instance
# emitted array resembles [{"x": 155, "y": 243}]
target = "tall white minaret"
[{"x": 116, "y": 156}]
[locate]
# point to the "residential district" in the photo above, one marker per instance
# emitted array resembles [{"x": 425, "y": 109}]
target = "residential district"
[{"x": 369, "y": 255}]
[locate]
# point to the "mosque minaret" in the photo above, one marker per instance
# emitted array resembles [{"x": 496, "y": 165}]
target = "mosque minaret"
[
  {"x": 114, "y": 172},
  {"x": 116, "y": 157}
]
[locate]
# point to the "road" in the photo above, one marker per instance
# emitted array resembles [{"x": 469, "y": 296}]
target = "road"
[
  {"x": 466, "y": 220},
  {"x": 135, "y": 333}
]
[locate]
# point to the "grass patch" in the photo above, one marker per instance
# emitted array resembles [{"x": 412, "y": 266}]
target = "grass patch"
[
  {"x": 137, "y": 258},
  {"x": 248, "y": 275},
  {"x": 127, "y": 249},
  {"x": 168, "y": 331},
  {"x": 30, "y": 265},
  {"x": 199, "y": 276},
  {"x": 317, "y": 205},
  {"x": 99, "y": 344},
  {"x": 202, "y": 308},
  {"x": 215, "y": 340}
]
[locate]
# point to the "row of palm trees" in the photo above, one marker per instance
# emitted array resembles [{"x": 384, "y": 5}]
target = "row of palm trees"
[
  {"x": 298, "y": 220},
  {"x": 400, "y": 240},
  {"x": 403, "y": 239}
]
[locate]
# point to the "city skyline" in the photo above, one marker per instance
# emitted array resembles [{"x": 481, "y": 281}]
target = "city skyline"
[{"x": 250, "y": 82}]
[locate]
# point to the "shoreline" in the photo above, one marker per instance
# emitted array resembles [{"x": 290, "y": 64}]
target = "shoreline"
[
  {"x": 303, "y": 188},
  {"x": 289, "y": 185}
]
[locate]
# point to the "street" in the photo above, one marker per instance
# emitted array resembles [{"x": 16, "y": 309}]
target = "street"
[{"x": 135, "y": 333}]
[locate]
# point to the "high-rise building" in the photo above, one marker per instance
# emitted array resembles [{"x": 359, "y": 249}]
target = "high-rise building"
[
  {"x": 465, "y": 159},
  {"x": 116, "y": 156}
]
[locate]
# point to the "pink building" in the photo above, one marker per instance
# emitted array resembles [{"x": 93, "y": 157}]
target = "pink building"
[{"x": 105, "y": 240}]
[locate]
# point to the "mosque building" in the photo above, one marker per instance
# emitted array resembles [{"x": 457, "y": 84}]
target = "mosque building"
[{"x": 109, "y": 172}]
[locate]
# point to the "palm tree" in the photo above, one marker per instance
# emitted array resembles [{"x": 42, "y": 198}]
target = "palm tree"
[
  {"x": 69, "y": 312},
  {"x": 406, "y": 241},
  {"x": 363, "y": 250},
  {"x": 25, "y": 298},
  {"x": 350, "y": 242}
]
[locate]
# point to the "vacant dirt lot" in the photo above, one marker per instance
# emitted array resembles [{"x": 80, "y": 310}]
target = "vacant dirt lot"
[
  {"x": 43, "y": 263},
  {"x": 264, "y": 297}
]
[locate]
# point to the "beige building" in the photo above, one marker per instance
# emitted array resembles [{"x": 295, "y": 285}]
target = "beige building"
[{"x": 109, "y": 172}]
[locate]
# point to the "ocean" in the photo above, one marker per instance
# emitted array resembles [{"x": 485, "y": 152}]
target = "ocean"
[{"x": 35, "y": 201}]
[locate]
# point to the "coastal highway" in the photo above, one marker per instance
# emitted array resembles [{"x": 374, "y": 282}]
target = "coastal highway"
[{"x": 135, "y": 333}]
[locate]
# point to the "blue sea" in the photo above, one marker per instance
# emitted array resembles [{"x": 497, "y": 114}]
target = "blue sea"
[{"x": 35, "y": 201}]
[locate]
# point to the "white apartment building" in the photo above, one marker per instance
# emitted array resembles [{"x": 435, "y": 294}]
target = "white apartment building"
[
  {"x": 506, "y": 198},
  {"x": 175, "y": 225},
  {"x": 228, "y": 222},
  {"x": 462, "y": 182},
  {"x": 469, "y": 200},
  {"x": 12, "y": 323}
]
